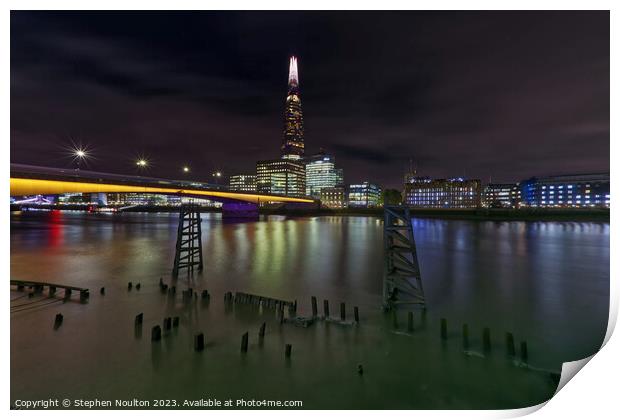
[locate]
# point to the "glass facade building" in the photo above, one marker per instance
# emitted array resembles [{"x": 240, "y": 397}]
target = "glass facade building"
[
  {"x": 364, "y": 195},
  {"x": 321, "y": 172},
  {"x": 584, "y": 190},
  {"x": 242, "y": 183},
  {"x": 282, "y": 177},
  {"x": 293, "y": 140},
  {"x": 501, "y": 195},
  {"x": 453, "y": 193}
]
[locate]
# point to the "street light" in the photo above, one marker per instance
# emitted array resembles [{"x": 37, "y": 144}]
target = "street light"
[
  {"x": 217, "y": 175},
  {"x": 142, "y": 163},
  {"x": 186, "y": 169},
  {"x": 79, "y": 154}
]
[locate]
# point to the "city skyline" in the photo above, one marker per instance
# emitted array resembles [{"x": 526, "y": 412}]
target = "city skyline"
[{"x": 209, "y": 97}]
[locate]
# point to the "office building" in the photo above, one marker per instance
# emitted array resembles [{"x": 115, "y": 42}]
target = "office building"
[
  {"x": 333, "y": 197},
  {"x": 243, "y": 183},
  {"x": 580, "y": 190},
  {"x": 321, "y": 172},
  {"x": 282, "y": 177},
  {"x": 453, "y": 193},
  {"x": 501, "y": 195},
  {"x": 364, "y": 194}
]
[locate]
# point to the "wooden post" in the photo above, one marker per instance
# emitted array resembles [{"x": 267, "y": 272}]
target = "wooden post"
[
  {"x": 102, "y": 290},
  {"x": 287, "y": 351},
  {"x": 129, "y": 285},
  {"x": 486, "y": 339},
  {"x": 465, "y": 336},
  {"x": 326, "y": 308},
  {"x": 356, "y": 314},
  {"x": 138, "y": 286},
  {"x": 139, "y": 318},
  {"x": 524, "y": 351},
  {"x": 314, "y": 307},
  {"x": 410, "y": 321},
  {"x": 156, "y": 333},
  {"x": 244, "y": 343},
  {"x": 444, "y": 329},
  {"x": 395, "y": 318},
  {"x": 343, "y": 311},
  {"x": 175, "y": 321},
  {"x": 167, "y": 323},
  {"x": 58, "y": 320},
  {"x": 84, "y": 295},
  {"x": 261, "y": 331},
  {"x": 510, "y": 345},
  {"x": 199, "y": 342}
]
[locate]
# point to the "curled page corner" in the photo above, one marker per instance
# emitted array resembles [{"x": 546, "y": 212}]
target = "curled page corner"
[{"x": 570, "y": 369}]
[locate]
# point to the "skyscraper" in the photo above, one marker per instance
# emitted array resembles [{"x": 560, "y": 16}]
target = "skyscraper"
[
  {"x": 321, "y": 172},
  {"x": 293, "y": 140}
]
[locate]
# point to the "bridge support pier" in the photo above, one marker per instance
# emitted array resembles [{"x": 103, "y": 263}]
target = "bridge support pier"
[
  {"x": 189, "y": 240},
  {"x": 240, "y": 210},
  {"x": 402, "y": 283}
]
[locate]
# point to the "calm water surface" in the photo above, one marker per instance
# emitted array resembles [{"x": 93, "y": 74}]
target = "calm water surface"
[{"x": 547, "y": 282}]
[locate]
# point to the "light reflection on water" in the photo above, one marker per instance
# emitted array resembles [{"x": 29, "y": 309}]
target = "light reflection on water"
[{"x": 547, "y": 282}]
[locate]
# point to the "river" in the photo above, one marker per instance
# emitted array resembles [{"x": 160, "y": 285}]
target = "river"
[{"x": 546, "y": 282}]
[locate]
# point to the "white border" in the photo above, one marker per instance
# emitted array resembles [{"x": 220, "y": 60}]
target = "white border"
[{"x": 592, "y": 394}]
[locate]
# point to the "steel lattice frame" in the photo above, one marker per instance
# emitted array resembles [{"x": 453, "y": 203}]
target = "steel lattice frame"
[
  {"x": 189, "y": 240},
  {"x": 402, "y": 282}
]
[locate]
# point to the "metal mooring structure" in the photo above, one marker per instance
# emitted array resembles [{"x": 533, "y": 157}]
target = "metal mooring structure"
[
  {"x": 189, "y": 240},
  {"x": 402, "y": 283}
]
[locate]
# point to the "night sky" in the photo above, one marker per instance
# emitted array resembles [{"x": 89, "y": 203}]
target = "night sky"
[{"x": 506, "y": 95}]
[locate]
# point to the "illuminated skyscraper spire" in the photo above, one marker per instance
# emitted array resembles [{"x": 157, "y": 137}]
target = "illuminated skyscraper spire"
[
  {"x": 293, "y": 77},
  {"x": 293, "y": 140}
]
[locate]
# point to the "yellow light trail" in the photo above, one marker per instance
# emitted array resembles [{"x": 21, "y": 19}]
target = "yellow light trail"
[{"x": 28, "y": 186}]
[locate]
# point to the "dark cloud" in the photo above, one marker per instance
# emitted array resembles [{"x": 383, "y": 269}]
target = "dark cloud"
[{"x": 505, "y": 95}]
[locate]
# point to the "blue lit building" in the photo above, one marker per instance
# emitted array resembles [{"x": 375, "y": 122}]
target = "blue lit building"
[{"x": 583, "y": 190}]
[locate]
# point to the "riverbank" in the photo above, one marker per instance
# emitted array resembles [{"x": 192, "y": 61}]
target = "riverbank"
[
  {"x": 526, "y": 214},
  {"x": 529, "y": 214}
]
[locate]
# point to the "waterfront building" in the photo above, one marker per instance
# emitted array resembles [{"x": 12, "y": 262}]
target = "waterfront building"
[
  {"x": 364, "y": 194},
  {"x": 501, "y": 195},
  {"x": 579, "y": 190},
  {"x": 243, "y": 183},
  {"x": 321, "y": 172},
  {"x": 452, "y": 193},
  {"x": 293, "y": 139},
  {"x": 282, "y": 177},
  {"x": 333, "y": 197},
  {"x": 148, "y": 199}
]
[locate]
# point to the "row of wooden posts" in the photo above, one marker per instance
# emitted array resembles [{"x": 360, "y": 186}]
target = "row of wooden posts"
[
  {"x": 486, "y": 340},
  {"x": 343, "y": 310},
  {"x": 39, "y": 288},
  {"x": 240, "y": 297},
  {"x": 199, "y": 339}
]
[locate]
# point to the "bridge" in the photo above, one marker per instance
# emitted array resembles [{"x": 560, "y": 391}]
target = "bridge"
[{"x": 27, "y": 180}]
